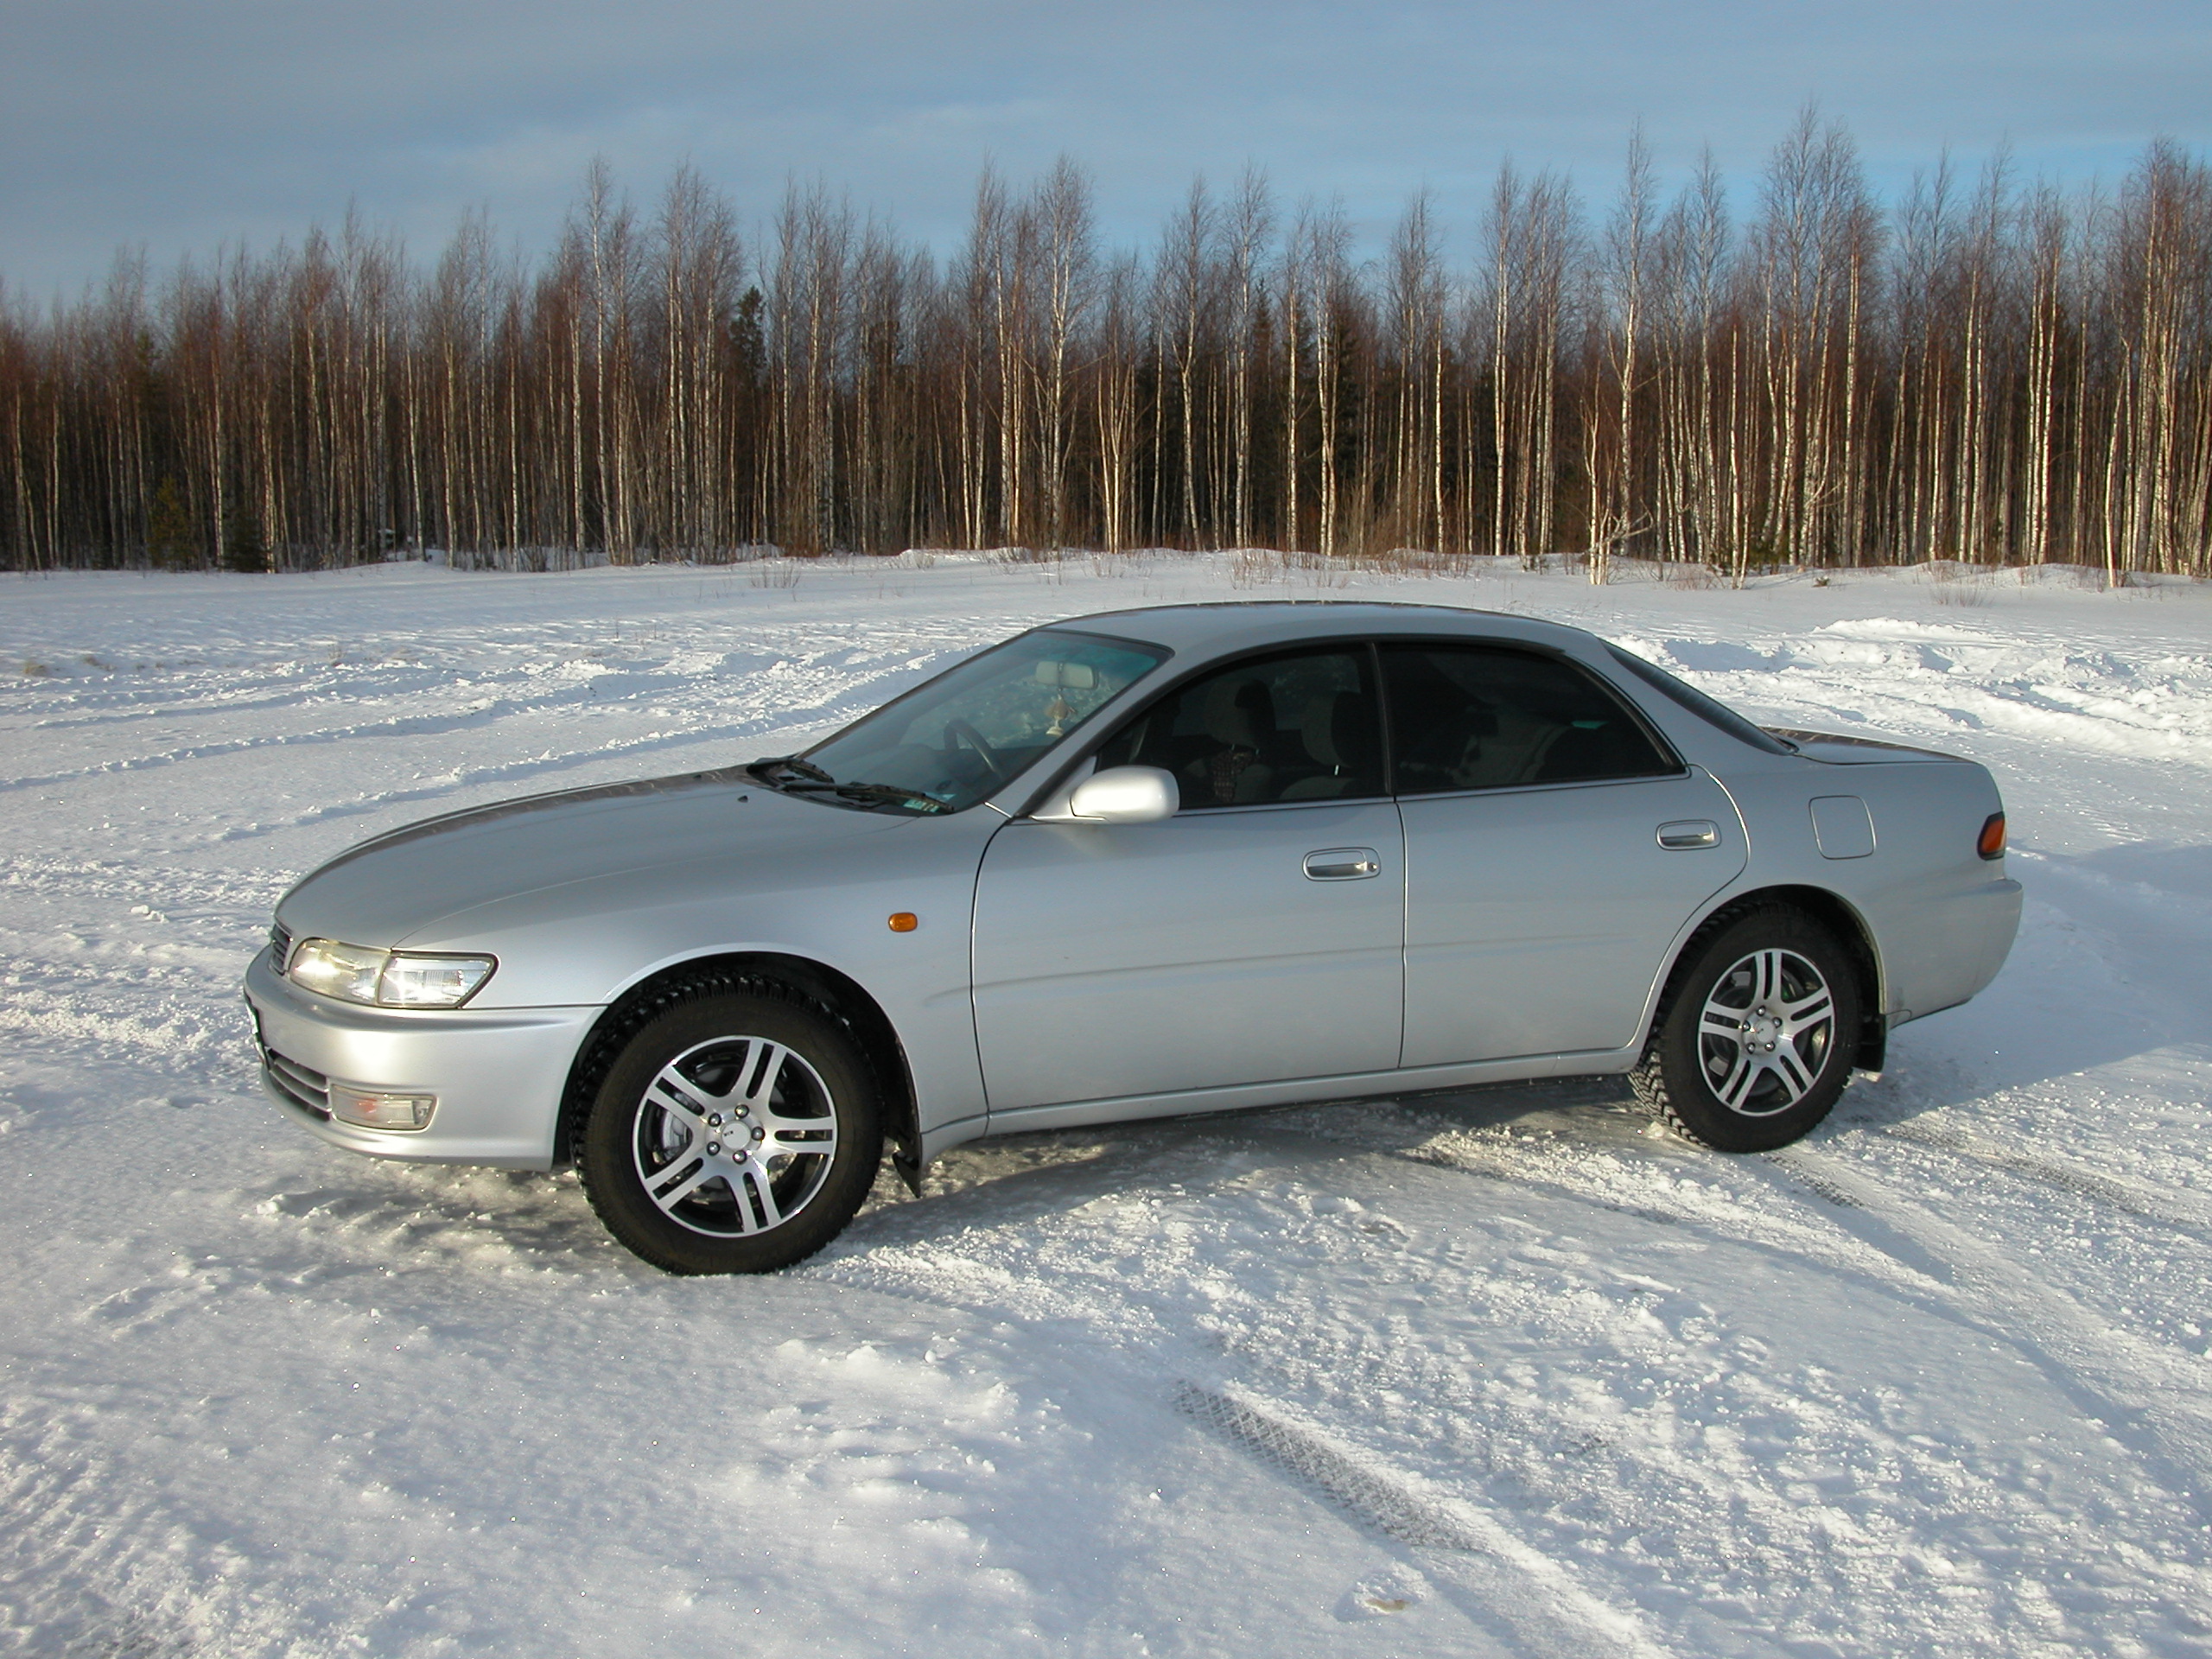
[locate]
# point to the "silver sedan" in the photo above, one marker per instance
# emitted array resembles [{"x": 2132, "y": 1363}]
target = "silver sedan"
[{"x": 1170, "y": 860}]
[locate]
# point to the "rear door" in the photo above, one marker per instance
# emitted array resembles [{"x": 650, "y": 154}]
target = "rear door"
[{"x": 1553, "y": 849}]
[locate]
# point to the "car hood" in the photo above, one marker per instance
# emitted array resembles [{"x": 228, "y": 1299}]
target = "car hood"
[{"x": 388, "y": 889}]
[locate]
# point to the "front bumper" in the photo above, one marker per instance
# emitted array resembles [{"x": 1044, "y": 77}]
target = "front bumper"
[{"x": 497, "y": 1073}]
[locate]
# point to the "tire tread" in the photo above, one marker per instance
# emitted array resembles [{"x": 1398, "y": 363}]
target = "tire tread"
[
  {"x": 1648, "y": 1077},
  {"x": 806, "y": 1232}
]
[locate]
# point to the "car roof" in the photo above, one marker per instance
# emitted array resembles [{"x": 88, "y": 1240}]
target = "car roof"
[{"x": 1235, "y": 625}]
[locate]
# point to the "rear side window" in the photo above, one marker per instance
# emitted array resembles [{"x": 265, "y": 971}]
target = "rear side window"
[
  {"x": 1482, "y": 717},
  {"x": 1301, "y": 727},
  {"x": 1716, "y": 713}
]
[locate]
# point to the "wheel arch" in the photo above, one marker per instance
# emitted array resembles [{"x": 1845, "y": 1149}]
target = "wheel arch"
[
  {"x": 1831, "y": 910},
  {"x": 836, "y": 994}
]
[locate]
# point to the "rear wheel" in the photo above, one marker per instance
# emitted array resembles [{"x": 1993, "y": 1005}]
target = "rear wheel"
[
  {"x": 1755, "y": 1044},
  {"x": 736, "y": 1133}
]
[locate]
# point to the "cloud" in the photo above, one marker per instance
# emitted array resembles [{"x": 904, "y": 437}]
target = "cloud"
[{"x": 123, "y": 121}]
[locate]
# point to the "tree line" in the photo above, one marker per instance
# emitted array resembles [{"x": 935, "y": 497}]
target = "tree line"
[{"x": 1987, "y": 369}]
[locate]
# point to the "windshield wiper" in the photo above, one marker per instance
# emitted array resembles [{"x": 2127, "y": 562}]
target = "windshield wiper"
[
  {"x": 883, "y": 794},
  {"x": 792, "y": 763},
  {"x": 892, "y": 794},
  {"x": 813, "y": 780}
]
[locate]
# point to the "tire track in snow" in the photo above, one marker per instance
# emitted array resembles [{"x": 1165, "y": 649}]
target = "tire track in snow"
[
  {"x": 89, "y": 712},
  {"x": 2127, "y": 1381},
  {"x": 454, "y": 782},
  {"x": 2153, "y": 1402},
  {"x": 2174, "y": 1207},
  {"x": 845, "y": 698},
  {"x": 1830, "y": 1249},
  {"x": 77, "y": 1516},
  {"x": 1797, "y": 1229},
  {"x": 469, "y": 777},
  {"x": 1499, "y": 1583},
  {"x": 392, "y": 726},
  {"x": 1474, "y": 1560},
  {"x": 1940, "y": 1268},
  {"x": 1549, "y": 1613},
  {"x": 242, "y": 890}
]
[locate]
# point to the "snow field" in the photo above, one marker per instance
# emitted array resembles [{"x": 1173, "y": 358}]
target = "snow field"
[{"x": 1492, "y": 1372}]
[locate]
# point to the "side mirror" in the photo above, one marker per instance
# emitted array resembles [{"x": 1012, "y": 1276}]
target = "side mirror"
[{"x": 1124, "y": 795}]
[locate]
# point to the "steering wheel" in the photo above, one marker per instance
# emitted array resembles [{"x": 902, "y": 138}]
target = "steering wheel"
[{"x": 959, "y": 731}]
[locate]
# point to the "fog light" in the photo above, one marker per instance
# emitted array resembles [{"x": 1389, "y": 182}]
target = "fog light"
[{"x": 374, "y": 1109}]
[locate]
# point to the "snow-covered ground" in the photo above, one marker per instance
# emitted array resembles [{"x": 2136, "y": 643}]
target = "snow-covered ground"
[{"x": 1490, "y": 1372}]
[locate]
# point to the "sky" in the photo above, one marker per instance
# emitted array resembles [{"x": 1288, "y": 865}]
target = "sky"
[{"x": 182, "y": 127}]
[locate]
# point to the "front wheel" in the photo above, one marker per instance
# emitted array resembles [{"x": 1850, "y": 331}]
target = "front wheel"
[
  {"x": 735, "y": 1134},
  {"x": 1755, "y": 1044}
]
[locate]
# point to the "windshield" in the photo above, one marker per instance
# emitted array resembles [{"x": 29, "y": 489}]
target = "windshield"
[{"x": 952, "y": 742}]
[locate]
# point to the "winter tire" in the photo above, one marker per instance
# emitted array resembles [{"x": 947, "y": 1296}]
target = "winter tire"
[
  {"x": 1755, "y": 1041},
  {"x": 735, "y": 1134}
]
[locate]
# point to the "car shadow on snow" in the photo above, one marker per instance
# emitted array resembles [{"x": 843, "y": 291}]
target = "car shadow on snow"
[
  {"x": 2158, "y": 872},
  {"x": 2114, "y": 949},
  {"x": 1016, "y": 1179},
  {"x": 434, "y": 1218},
  {"x": 2066, "y": 1003}
]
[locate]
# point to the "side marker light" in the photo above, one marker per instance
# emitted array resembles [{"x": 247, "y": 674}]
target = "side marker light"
[{"x": 903, "y": 921}]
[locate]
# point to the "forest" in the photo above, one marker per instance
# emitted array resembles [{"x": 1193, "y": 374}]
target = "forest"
[{"x": 1790, "y": 373}]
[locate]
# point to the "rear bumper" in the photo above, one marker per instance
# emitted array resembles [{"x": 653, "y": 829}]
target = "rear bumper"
[
  {"x": 1955, "y": 943},
  {"x": 1999, "y": 915},
  {"x": 498, "y": 1074}
]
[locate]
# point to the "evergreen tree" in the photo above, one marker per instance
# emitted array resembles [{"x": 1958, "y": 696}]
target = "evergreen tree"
[{"x": 169, "y": 541}]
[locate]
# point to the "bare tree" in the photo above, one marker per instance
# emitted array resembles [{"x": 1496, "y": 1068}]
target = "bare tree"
[
  {"x": 1627, "y": 270},
  {"x": 1249, "y": 227},
  {"x": 1062, "y": 214},
  {"x": 1415, "y": 299},
  {"x": 2003, "y": 370},
  {"x": 1121, "y": 344},
  {"x": 1183, "y": 277}
]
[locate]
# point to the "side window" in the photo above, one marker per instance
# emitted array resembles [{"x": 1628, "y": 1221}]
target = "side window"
[
  {"x": 1483, "y": 717},
  {"x": 1300, "y": 727}
]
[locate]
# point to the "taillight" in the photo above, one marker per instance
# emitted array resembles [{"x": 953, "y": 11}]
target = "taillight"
[{"x": 1991, "y": 843}]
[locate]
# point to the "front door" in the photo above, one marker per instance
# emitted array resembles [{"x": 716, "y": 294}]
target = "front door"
[{"x": 1254, "y": 936}]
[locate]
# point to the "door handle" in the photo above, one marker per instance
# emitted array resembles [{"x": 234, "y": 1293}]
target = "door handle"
[
  {"x": 1342, "y": 864},
  {"x": 1689, "y": 833}
]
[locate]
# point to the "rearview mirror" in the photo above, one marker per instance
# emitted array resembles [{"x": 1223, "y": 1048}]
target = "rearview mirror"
[{"x": 1125, "y": 795}]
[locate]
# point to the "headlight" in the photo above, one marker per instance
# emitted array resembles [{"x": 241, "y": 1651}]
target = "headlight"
[
  {"x": 341, "y": 970},
  {"x": 387, "y": 979}
]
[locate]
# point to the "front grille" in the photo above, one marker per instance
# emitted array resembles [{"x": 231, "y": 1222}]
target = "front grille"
[
  {"x": 280, "y": 949},
  {"x": 301, "y": 1085}
]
